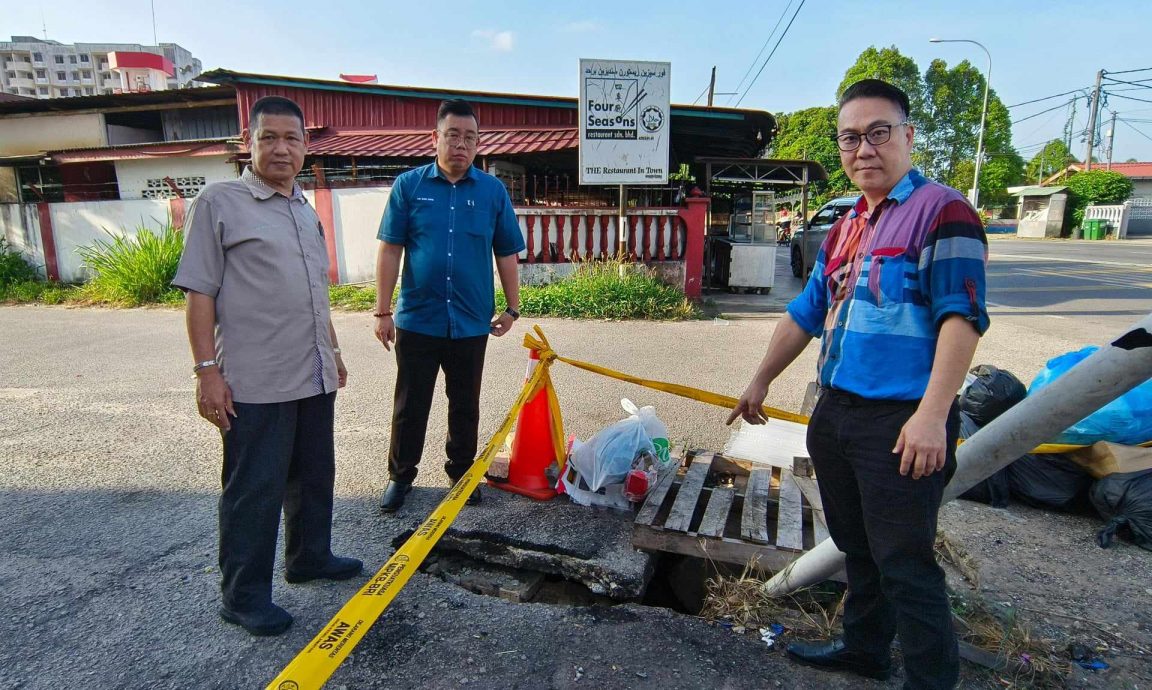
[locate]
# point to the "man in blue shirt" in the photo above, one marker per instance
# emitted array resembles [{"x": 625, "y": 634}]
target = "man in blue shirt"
[
  {"x": 897, "y": 299},
  {"x": 445, "y": 221}
]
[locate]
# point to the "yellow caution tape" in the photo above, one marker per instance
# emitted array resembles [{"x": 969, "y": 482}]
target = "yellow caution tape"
[{"x": 316, "y": 663}]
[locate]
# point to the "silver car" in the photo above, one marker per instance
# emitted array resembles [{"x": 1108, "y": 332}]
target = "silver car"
[{"x": 807, "y": 237}]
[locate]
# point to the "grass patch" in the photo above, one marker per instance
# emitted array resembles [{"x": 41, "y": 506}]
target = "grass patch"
[
  {"x": 14, "y": 268},
  {"x": 606, "y": 290},
  {"x": 354, "y": 297},
  {"x": 131, "y": 271}
]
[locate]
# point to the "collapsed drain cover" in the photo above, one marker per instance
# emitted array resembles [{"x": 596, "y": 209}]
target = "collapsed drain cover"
[{"x": 511, "y": 584}]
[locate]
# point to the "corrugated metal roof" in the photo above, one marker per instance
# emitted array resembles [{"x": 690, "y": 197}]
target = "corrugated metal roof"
[
  {"x": 168, "y": 149},
  {"x": 1129, "y": 169},
  {"x": 1039, "y": 191},
  {"x": 418, "y": 144}
]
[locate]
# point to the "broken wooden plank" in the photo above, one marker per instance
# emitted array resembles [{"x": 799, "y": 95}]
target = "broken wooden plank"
[
  {"x": 754, "y": 519},
  {"x": 680, "y": 518},
  {"x": 716, "y": 514},
  {"x": 789, "y": 517},
  {"x": 811, "y": 491},
  {"x": 655, "y": 499}
]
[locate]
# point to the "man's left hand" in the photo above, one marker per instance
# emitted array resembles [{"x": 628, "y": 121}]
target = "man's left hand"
[
  {"x": 341, "y": 371},
  {"x": 501, "y": 324},
  {"x": 922, "y": 445}
]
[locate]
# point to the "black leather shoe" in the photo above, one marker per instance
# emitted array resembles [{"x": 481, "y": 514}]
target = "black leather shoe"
[
  {"x": 394, "y": 496},
  {"x": 264, "y": 622},
  {"x": 475, "y": 498},
  {"x": 337, "y": 568},
  {"x": 834, "y": 656}
]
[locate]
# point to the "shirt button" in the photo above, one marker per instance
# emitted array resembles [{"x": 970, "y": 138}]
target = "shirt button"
[
  {"x": 449, "y": 277},
  {"x": 449, "y": 253}
]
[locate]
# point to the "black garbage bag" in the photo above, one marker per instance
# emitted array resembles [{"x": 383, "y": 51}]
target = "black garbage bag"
[
  {"x": 1124, "y": 499},
  {"x": 1050, "y": 481},
  {"x": 993, "y": 490},
  {"x": 991, "y": 394}
]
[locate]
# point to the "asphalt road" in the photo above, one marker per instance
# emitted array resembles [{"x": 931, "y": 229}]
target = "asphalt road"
[{"x": 108, "y": 484}]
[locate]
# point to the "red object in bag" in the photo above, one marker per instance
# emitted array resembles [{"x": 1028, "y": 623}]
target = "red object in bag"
[{"x": 636, "y": 485}]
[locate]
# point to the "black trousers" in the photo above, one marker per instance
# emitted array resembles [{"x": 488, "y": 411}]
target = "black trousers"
[
  {"x": 277, "y": 455},
  {"x": 419, "y": 359},
  {"x": 886, "y": 524}
]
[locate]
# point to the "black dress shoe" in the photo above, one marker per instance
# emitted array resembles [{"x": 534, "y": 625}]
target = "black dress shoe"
[
  {"x": 834, "y": 656},
  {"x": 475, "y": 498},
  {"x": 394, "y": 496},
  {"x": 263, "y": 622},
  {"x": 337, "y": 568}
]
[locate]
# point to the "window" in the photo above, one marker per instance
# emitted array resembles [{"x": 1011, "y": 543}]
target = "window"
[
  {"x": 89, "y": 91},
  {"x": 38, "y": 57},
  {"x": 41, "y": 74},
  {"x": 11, "y": 75},
  {"x": 59, "y": 59},
  {"x": 60, "y": 76},
  {"x": 72, "y": 76},
  {"x": 72, "y": 59},
  {"x": 87, "y": 74},
  {"x": 83, "y": 58},
  {"x": 43, "y": 90}
]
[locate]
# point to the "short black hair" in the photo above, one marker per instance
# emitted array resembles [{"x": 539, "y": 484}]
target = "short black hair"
[
  {"x": 877, "y": 88},
  {"x": 455, "y": 106},
  {"x": 274, "y": 105}
]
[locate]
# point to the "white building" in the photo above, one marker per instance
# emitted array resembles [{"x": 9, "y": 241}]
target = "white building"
[{"x": 48, "y": 69}]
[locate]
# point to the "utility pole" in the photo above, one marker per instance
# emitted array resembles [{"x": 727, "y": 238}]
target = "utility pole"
[
  {"x": 1092, "y": 108},
  {"x": 712, "y": 86},
  {"x": 1111, "y": 136}
]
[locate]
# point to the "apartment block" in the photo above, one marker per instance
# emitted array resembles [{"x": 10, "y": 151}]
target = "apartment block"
[{"x": 40, "y": 68}]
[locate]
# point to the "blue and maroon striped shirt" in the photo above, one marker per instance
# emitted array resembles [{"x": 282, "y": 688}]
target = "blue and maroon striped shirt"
[{"x": 885, "y": 280}]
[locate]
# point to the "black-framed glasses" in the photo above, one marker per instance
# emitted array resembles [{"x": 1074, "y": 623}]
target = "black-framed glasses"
[
  {"x": 876, "y": 135},
  {"x": 456, "y": 139}
]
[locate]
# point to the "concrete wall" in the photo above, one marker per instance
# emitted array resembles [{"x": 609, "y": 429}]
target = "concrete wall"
[
  {"x": 80, "y": 224},
  {"x": 357, "y": 213},
  {"x": 133, "y": 175},
  {"x": 20, "y": 227},
  {"x": 30, "y": 135}
]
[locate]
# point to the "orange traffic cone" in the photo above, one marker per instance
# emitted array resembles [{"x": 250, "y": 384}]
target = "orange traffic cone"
[{"x": 532, "y": 450}]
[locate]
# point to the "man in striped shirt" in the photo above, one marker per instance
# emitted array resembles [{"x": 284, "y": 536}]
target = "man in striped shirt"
[{"x": 897, "y": 298}]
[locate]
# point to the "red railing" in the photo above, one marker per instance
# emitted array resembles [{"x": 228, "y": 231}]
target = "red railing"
[{"x": 565, "y": 235}]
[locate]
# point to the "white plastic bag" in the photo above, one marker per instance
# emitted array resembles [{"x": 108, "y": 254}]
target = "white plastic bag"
[
  {"x": 607, "y": 456},
  {"x": 611, "y": 496},
  {"x": 656, "y": 430}
]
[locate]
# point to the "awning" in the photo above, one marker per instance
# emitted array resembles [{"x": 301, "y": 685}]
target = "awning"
[
  {"x": 171, "y": 149},
  {"x": 418, "y": 144}
]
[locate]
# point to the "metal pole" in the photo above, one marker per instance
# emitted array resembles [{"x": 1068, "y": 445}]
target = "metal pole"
[
  {"x": 1092, "y": 120},
  {"x": 974, "y": 196},
  {"x": 622, "y": 251},
  {"x": 712, "y": 86},
  {"x": 1111, "y": 137}
]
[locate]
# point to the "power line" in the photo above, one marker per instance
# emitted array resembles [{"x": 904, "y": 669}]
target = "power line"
[
  {"x": 1132, "y": 83},
  {"x": 1048, "y": 98},
  {"x": 1130, "y": 71},
  {"x": 1131, "y": 98},
  {"x": 765, "y": 63},
  {"x": 1133, "y": 128},
  {"x": 768, "y": 40},
  {"x": 1062, "y": 105}
]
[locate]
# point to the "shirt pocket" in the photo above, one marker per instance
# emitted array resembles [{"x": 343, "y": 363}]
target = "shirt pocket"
[{"x": 886, "y": 275}]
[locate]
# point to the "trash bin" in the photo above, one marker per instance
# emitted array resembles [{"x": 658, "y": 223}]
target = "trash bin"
[{"x": 1093, "y": 228}]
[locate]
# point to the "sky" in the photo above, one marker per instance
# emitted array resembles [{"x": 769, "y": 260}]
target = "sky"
[{"x": 1037, "y": 49}]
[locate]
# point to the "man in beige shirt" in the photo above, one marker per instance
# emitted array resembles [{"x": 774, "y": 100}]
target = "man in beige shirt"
[{"x": 267, "y": 365}]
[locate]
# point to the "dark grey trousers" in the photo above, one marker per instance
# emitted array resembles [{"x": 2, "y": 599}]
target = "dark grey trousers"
[
  {"x": 276, "y": 456},
  {"x": 886, "y": 525}
]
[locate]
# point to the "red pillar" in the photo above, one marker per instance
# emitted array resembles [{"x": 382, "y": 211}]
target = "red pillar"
[
  {"x": 328, "y": 220},
  {"x": 48, "y": 239},
  {"x": 695, "y": 217}
]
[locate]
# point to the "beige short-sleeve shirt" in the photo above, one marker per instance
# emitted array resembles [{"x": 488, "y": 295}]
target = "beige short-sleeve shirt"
[{"x": 262, "y": 256}]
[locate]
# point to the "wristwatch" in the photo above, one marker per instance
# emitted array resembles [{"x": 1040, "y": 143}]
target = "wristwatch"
[{"x": 512, "y": 312}]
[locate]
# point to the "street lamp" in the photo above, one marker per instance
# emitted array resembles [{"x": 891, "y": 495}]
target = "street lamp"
[{"x": 974, "y": 197}]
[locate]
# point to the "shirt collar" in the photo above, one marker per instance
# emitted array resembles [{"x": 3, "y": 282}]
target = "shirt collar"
[
  {"x": 261, "y": 190},
  {"x": 435, "y": 172},
  {"x": 899, "y": 193}
]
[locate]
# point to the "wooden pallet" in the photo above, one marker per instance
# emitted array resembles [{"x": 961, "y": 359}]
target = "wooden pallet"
[{"x": 732, "y": 512}]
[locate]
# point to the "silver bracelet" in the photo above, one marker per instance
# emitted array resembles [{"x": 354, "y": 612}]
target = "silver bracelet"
[
  {"x": 336, "y": 350},
  {"x": 204, "y": 365}
]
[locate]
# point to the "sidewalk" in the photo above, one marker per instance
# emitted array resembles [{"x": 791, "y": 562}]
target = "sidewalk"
[{"x": 737, "y": 305}]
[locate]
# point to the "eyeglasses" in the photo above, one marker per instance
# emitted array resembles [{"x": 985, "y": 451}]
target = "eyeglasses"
[
  {"x": 877, "y": 135},
  {"x": 456, "y": 139}
]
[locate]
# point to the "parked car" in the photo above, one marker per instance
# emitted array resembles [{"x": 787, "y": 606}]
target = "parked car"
[{"x": 807, "y": 237}]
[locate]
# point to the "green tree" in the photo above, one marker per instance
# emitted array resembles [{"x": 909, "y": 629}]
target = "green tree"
[
  {"x": 1095, "y": 187},
  {"x": 808, "y": 135},
  {"x": 893, "y": 67},
  {"x": 1054, "y": 157}
]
